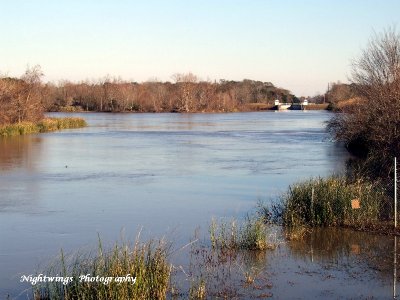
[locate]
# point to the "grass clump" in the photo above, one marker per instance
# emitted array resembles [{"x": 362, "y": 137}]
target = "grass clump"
[
  {"x": 45, "y": 125},
  {"x": 198, "y": 291},
  {"x": 145, "y": 262},
  {"x": 252, "y": 234},
  {"x": 328, "y": 202},
  {"x": 18, "y": 129},
  {"x": 53, "y": 124}
]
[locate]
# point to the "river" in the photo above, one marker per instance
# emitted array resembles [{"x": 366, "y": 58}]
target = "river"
[{"x": 163, "y": 174}]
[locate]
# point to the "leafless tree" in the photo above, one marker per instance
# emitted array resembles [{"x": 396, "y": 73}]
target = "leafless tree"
[
  {"x": 373, "y": 129},
  {"x": 21, "y": 99},
  {"x": 187, "y": 87}
]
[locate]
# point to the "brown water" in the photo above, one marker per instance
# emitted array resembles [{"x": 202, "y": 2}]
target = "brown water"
[
  {"x": 167, "y": 173},
  {"x": 324, "y": 264}
]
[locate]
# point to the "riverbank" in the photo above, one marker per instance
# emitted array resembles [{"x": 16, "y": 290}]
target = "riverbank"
[
  {"x": 45, "y": 125},
  {"x": 250, "y": 107},
  {"x": 264, "y": 106}
]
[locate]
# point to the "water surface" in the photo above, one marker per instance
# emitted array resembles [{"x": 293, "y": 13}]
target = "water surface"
[{"x": 167, "y": 173}]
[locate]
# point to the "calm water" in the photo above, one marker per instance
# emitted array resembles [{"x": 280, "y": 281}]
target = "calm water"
[{"x": 167, "y": 173}]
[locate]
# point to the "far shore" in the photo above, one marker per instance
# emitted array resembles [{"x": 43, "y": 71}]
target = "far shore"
[{"x": 251, "y": 107}]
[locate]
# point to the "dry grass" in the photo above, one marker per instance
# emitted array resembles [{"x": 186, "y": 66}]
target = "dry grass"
[{"x": 45, "y": 125}]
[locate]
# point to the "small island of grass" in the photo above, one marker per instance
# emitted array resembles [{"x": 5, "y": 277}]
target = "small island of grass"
[{"x": 44, "y": 125}]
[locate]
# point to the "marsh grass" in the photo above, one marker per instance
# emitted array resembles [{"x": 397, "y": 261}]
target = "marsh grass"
[
  {"x": 226, "y": 273},
  {"x": 251, "y": 234},
  {"x": 327, "y": 202},
  {"x": 198, "y": 290},
  {"x": 45, "y": 125},
  {"x": 147, "y": 262}
]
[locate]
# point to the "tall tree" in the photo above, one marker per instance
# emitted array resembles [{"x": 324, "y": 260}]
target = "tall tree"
[{"x": 373, "y": 129}]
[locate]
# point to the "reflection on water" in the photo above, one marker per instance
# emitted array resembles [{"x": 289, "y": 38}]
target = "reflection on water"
[
  {"x": 19, "y": 152},
  {"x": 331, "y": 245},
  {"x": 336, "y": 263},
  {"x": 18, "y": 158},
  {"x": 326, "y": 263}
]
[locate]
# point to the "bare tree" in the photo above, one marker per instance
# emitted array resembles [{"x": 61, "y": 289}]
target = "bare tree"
[
  {"x": 21, "y": 99},
  {"x": 373, "y": 128},
  {"x": 186, "y": 86}
]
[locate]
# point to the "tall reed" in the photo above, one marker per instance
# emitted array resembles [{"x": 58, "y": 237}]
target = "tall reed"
[
  {"x": 145, "y": 265},
  {"x": 251, "y": 234}
]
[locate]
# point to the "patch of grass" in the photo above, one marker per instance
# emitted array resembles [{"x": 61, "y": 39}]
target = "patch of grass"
[
  {"x": 327, "y": 202},
  {"x": 252, "y": 234},
  {"x": 45, "y": 125},
  {"x": 146, "y": 262},
  {"x": 18, "y": 129},
  {"x": 52, "y": 124}
]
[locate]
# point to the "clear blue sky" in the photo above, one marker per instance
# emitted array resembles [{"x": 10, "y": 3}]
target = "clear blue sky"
[{"x": 298, "y": 45}]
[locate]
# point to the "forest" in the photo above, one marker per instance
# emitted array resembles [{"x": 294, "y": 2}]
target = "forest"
[{"x": 27, "y": 98}]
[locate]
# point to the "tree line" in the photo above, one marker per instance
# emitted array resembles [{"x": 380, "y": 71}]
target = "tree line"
[
  {"x": 187, "y": 93},
  {"x": 27, "y": 98}
]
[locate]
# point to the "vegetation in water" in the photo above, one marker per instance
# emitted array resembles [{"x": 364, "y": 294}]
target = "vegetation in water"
[
  {"x": 45, "y": 125},
  {"x": 236, "y": 255},
  {"x": 252, "y": 234},
  {"x": 332, "y": 201},
  {"x": 141, "y": 271}
]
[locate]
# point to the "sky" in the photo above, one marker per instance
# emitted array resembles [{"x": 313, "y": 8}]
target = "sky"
[{"x": 297, "y": 45}]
